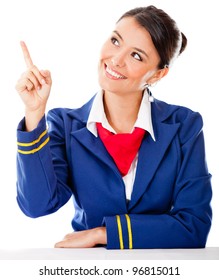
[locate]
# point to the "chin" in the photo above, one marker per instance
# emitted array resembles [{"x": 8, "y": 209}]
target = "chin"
[
  {"x": 108, "y": 85},
  {"x": 109, "y": 88}
]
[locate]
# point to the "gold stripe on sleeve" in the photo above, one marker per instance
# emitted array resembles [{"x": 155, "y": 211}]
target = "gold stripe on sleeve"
[
  {"x": 129, "y": 230},
  {"x": 34, "y": 142},
  {"x": 120, "y": 231},
  {"x": 34, "y": 150}
]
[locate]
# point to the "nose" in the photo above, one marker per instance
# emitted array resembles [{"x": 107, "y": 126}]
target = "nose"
[{"x": 118, "y": 60}]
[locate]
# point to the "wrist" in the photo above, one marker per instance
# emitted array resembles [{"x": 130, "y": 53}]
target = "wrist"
[
  {"x": 33, "y": 117},
  {"x": 101, "y": 237}
]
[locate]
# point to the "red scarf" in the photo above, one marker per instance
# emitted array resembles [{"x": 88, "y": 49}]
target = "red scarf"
[{"x": 122, "y": 147}]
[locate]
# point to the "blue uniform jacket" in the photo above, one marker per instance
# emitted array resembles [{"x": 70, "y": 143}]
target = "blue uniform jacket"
[{"x": 170, "y": 203}]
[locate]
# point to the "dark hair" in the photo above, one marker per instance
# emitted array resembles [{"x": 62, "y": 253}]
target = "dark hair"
[{"x": 164, "y": 32}]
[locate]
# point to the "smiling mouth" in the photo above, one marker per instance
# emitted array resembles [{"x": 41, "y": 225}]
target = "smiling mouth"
[{"x": 112, "y": 74}]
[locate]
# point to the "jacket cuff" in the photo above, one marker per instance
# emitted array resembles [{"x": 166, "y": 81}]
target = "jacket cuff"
[
  {"x": 33, "y": 141},
  {"x": 119, "y": 232}
]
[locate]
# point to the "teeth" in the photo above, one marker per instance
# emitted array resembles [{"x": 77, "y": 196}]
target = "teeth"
[{"x": 112, "y": 73}]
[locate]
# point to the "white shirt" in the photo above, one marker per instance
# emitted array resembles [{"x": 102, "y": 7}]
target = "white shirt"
[{"x": 143, "y": 121}]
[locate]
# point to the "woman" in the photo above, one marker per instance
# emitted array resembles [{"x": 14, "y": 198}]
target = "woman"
[{"x": 135, "y": 166}]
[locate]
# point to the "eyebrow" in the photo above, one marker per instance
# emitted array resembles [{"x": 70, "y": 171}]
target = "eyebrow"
[{"x": 137, "y": 49}]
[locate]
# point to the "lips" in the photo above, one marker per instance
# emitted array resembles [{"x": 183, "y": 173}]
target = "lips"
[{"x": 113, "y": 74}]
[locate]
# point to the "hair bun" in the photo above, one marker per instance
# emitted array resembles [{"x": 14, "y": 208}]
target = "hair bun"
[{"x": 184, "y": 43}]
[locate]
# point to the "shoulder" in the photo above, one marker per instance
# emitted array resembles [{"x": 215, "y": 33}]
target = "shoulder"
[
  {"x": 171, "y": 113},
  {"x": 190, "y": 122},
  {"x": 66, "y": 114},
  {"x": 64, "y": 120}
]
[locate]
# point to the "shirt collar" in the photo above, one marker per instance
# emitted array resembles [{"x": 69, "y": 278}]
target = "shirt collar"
[{"x": 97, "y": 114}]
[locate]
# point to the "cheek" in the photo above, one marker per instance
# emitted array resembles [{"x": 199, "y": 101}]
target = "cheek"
[
  {"x": 102, "y": 58},
  {"x": 104, "y": 52},
  {"x": 147, "y": 75},
  {"x": 101, "y": 61},
  {"x": 138, "y": 73}
]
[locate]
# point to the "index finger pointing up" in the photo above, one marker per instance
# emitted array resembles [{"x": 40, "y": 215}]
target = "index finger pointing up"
[{"x": 26, "y": 54}]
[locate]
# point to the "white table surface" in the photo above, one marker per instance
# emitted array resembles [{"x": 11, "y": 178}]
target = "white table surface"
[{"x": 209, "y": 253}]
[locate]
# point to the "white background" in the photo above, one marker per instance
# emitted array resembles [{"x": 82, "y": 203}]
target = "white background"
[{"x": 65, "y": 36}]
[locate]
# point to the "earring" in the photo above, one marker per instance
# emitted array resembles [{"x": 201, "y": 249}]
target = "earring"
[{"x": 150, "y": 96}]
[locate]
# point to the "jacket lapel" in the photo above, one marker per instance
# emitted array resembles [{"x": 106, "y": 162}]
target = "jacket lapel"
[
  {"x": 87, "y": 139},
  {"x": 95, "y": 146},
  {"x": 152, "y": 152}
]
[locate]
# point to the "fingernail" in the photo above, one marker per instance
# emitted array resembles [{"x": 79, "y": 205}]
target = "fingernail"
[
  {"x": 38, "y": 88},
  {"x": 43, "y": 82}
]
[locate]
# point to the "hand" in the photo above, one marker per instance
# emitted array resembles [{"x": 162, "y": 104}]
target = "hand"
[
  {"x": 34, "y": 88},
  {"x": 34, "y": 85},
  {"x": 84, "y": 239}
]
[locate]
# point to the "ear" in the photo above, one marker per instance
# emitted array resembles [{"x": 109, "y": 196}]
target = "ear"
[{"x": 158, "y": 75}]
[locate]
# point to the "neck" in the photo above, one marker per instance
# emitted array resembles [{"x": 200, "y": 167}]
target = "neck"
[{"x": 122, "y": 111}]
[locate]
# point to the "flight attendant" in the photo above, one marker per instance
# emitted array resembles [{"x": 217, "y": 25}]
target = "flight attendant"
[{"x": 134, "y": 166}]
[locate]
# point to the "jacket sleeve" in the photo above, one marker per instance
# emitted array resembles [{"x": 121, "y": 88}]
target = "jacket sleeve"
[
  {"x": 41, "y": 189},
  {"x": 187, "y": 223}
]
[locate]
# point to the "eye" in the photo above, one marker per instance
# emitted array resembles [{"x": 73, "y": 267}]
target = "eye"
[
  {"x": 115, "y": 41},
  {"x": 136, "y": 56}
]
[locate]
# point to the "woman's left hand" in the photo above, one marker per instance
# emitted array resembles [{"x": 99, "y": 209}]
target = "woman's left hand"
[{"x": 84, "y": 239}]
